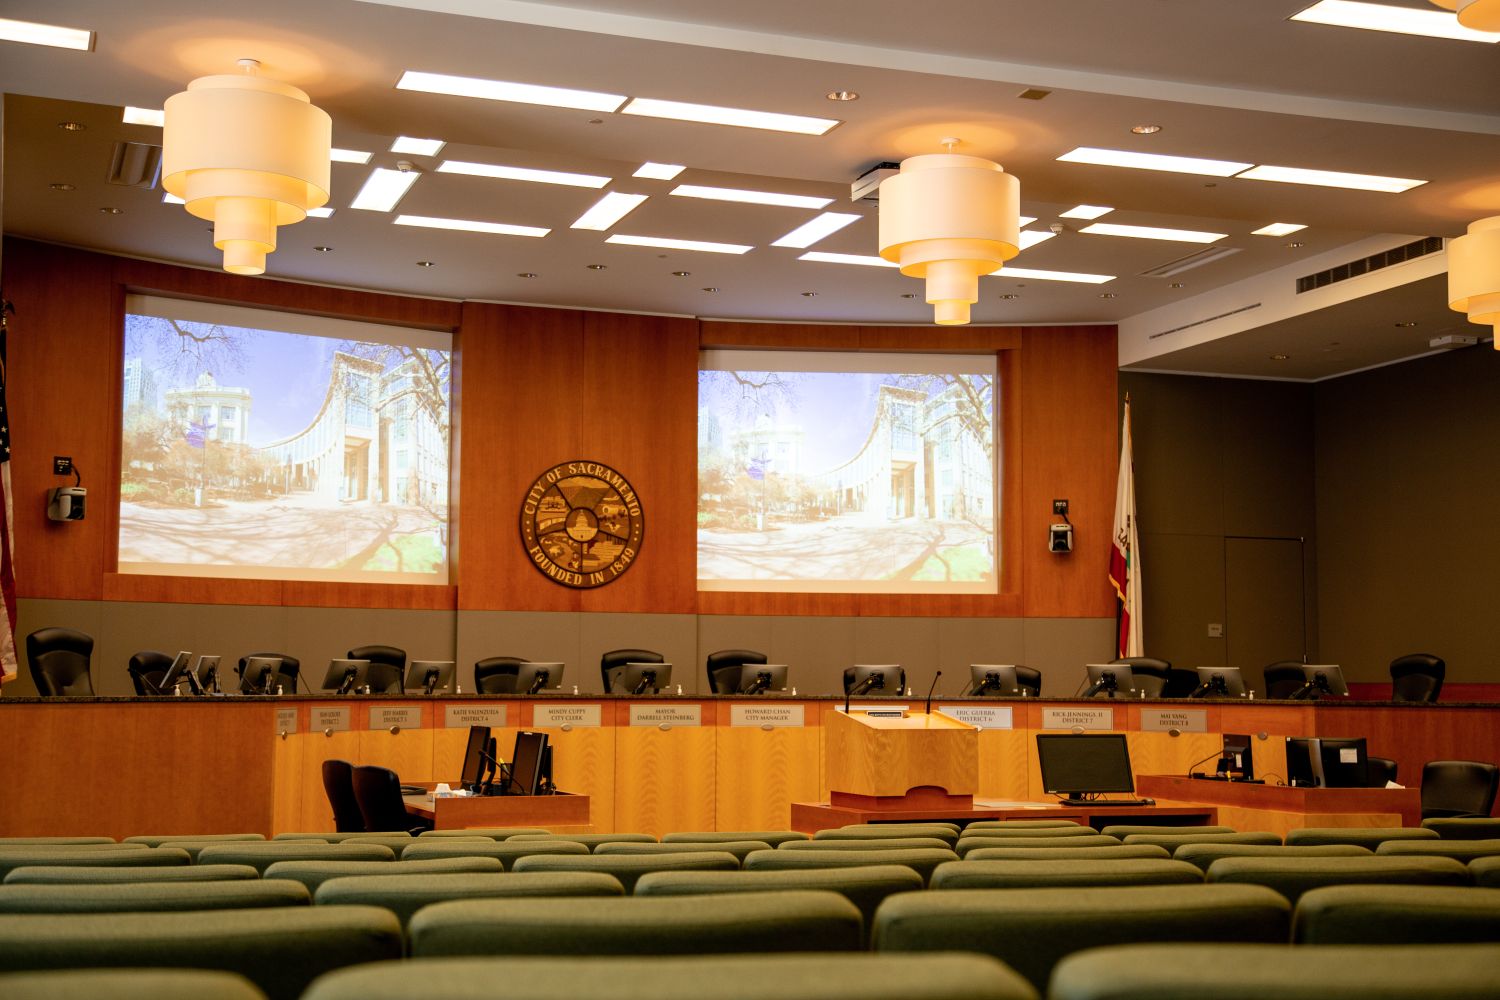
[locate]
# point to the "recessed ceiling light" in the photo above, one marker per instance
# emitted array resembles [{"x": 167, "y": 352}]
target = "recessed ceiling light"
[
  {"x": 143, "y": 116},
  {"x": 608, "y": 210},
  {"x": 1085, "y": 212},
  {"x": 1177, "y": 284},
  {"x": 711, "y": 115},
  {"x": 670, "y": 244},
  {"x": 384, "y": 189},
  {"x": 320, "y": 213},
  {"x": 710, "y": 289},
  {"x": 658, "y": 171},
  {"x": 1076, "y": 276},
  {"x": 348, "y": 156},
  {"x": 1145, "y": 129},
  {"x": 1295, "y": 245},
  {"x": 1332, "y": 178},
  {"x": 818, "y": 256},
  {"x": 811, "y": 232},
  {"x": 1030, "y": 238},
  {"x": 681, "y": 274},
  {"x": 1033, "y": 94},
  {"x": 908, "y": 295},
  {"x": 522, "y": 174},
  {"x": 323, "y": 249},
  {"x": 1279, "y": 357},
  {"x": 1151, "y": 233},
  {"x": 72, "y": 126},
  {"x": 112, "y": 211},
  {"x": 526, "y": 274},
  {"x": 1380, "y": 17},
  {"x": 750, "y": 197},
  {"x": 1278, "y": 229},
  {"x": 470, "y": 226},
  {"x": 501, "y": 90},
  {"x": 595, "y": 121},
  {"x": 597, "y": 267},
  {"x": 809, "y": 295},
  {"x": 417, "y": 147},
  {"x": 1010, "y": 295},
  {"x": 33, "y": 33},
  {"x": 842, "y": 95},
  {"x": 1153, "y": 161},
  {"x": 427, "y": 263},
  {"x": 59, "y": 186},
  {"x": 1107, "y": 295},
  {"x": 1402, "y": 326}
]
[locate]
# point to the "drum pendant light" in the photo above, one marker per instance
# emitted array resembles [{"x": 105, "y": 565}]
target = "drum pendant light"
[
  {"x": 249, "y": 154},
  {"x": 949, "y": 218},
  {"x": 1474, "y": 274},
  {"x": 1481, "y": 15}
]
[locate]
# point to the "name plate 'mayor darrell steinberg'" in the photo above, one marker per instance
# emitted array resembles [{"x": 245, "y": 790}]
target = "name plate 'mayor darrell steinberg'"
[{"x": 666, "y": 715}]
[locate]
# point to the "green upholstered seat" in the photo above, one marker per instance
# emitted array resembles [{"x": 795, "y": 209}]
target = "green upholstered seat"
[
  {"x": 1030, "y": 832},
  {"x": 1276, "y": 972},
  {"x": 629, "y": 867},
  {"x": 1465, "y": 828},
  {"x": 947, "y": 832},
  {"x": 195, "y": 847},
  {"x": 1057, "y": 874},
  {"x": 263, "y": 856},
  {"x": 128, "y": 984},
  {"x": 921, "y": 860},
  {"x": 280, "y": 950},
  {"x": 54, "y": 842},
  {"x": 1397, "y": 914},
  {"x": 1293, "y": 876},
  {"x": 171, "y": 840},
  {"x": 1463, "y": 850},
  {"x": 1485, "y": 872},
  {"x": 1032, "y": 929},
  {"x": 1067, "y": 853},
  {"x": 739, "y": 848},
  {"x": 1123, "y": 830},
  {"x": 865, "y": 887},
  {"x": 91, "y": 875},
  {"x": 404, "y": 895},
  {"x": 773, "y": 837},
  {"x": 729, "y": 923},
  {"x": 314, "y": 873},
  {"x": 877, "y": 844},
  {"x": 1361, "y": 836},
  {"x": 727, "y": 977},
  {"x": 1061, "y": 843},
  {"x": 492, "y": 832},
  {"x": 980, "y": 825},
  {"x": 1204, "y": 855},
  {"x": 591, "y": 840},
  {"x": 1172, "y": 841},
  {"x": 504, "y": 851},
  {"x": 141, "y": 897},
  {"x": 338, "y": 838},
  {"x": 397, "y": 842},
  {"x": 133, "y": 856}
]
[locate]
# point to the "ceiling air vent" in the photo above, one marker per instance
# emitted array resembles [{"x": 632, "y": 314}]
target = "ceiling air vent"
[
  {"x": 1195, "y": 259},
  {"x": 1353, "y": 269},
  {"x": 135, "y": 164}
]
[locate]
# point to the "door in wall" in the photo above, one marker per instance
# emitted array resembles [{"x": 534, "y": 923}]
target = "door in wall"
[{"x": 1265, "y": 618}]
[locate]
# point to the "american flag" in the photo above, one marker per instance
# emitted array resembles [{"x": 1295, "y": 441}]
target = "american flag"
[{"x": 8, "y": 662}]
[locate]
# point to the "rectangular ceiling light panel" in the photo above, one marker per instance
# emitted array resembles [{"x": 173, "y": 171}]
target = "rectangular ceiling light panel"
[
  {"x": 1085, "y": 212},
  {"x": 1032, "y": 273},
  {"x": 501, "y": 90},
  {"x": 1278, "y": 229},
  {"x": 809, "y": 233},
  {"x": 155, "y": 117},
  {"x": 505, "y": 173},
  {"x": 348, "y": 155},
  {"x": 608, "y": 210},
  {"x": 819, "y": 257},
  {"x": 750, "y": 197},
  {"x": 470, "y": 226},
  {"x": 709, "y": 114},
  {"x": 658, "y": 171},
  {"x": 1031, "y": 237},
  {"x": 1332, "y": 178},
  {"x": 1153, "y": 161},
  {"x": 384, "y": 189},
  {"x": 418, "y": 147},
  {"x": 665, "y": 243},
  {"x": 1151, "y": 233},
  {"x": 1383, "y": 17},
  {"x": 33, "y": 33}
]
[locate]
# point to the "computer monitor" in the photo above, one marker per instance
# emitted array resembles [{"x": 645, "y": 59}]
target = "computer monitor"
[
  {"x": 473, "y": 769},
  {"x": 1236, "y": 762},
  {"x": 1345, "y": 762},
  {"x": 993, "y": 680},
  {"x": 260, "y": 674},
  {"x": 175, "y": 673},
  {"x": 642, "y": 678},
  {"x": 429, "y": 676},
  {"x": 1110, "y": 678},
  {"x": 533, "y": 678},
  {"x": 758, "y": 678},
  {"x": 1321, "y": 679},
  {"x": 526, "y": 763},
  {"x": 202, "y": 674},
  {"x": 1219, "y": 682},
  {"x": 346, "y": 676},
  {"x": 876, "y": 678},
  {"x": 1081, "y": 765}
]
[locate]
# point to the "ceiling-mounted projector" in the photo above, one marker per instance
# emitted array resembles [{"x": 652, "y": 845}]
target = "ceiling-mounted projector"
[{"x": 868, "y": 184}]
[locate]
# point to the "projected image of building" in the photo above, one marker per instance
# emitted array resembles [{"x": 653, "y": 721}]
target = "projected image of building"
[{"x": 222, "y": 412}]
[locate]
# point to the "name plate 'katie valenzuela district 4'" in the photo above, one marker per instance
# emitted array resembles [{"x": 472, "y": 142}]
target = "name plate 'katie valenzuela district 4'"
[{"x": 582, "y": 524}]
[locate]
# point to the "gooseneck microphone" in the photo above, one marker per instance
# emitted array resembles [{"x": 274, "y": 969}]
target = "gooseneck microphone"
[{"x": 931, "y": 688}]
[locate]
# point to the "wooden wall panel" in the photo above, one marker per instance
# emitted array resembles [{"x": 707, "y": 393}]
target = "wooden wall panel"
[
  {"x": 759, "y": 772},
  {"x": 191, "y": 590}
]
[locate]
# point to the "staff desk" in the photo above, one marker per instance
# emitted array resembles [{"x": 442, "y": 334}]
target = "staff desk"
[{"x": 1279, "y": 808}]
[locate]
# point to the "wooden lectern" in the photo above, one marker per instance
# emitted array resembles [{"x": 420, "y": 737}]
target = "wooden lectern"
[{"x": 921, "y": 761}]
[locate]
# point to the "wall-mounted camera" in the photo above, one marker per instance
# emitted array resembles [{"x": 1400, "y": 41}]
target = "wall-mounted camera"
[
  {"x": 66, "y": 503},
  {"x": 1060, "y": 538}
]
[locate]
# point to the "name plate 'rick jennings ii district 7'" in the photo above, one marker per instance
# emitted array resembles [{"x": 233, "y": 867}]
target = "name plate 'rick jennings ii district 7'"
[
  {"x": 1078, "y": 718},
  {"x": 582, "y": 524}
]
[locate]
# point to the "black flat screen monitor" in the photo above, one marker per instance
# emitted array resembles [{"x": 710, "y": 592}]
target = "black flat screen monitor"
[
  {"x": 1220, "y": 682},
  {"x": 1109, "y": 679},
  {"x": 526, "y": 763},
  {"x": 876, "y": 678},
  {"x": 260, "y": 674},
  {"x": 1324, "y": 678},
  {"x": 429, "y": 676},
  {"x": 993, "y": 680},
  {"x": 1088, "y": 764},
  {"x": 203, "y": 674},
  {"x": 175, "y": 673},
  {"x": 758, "y": 678},
  {"x": 1327, "y": 762},
  {"x": 642, "y": 678},
  {"x": 473, "y": 769},
  {"x": 533, "y": 678},
  {"x": 1237, "y": 762},
  {"x": 346, "y": 676}
]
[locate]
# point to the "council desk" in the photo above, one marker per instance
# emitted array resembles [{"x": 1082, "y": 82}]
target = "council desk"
[{"x": 122, "y": 766}]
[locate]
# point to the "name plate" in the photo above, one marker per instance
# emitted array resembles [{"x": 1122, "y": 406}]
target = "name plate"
[
  {"x": 1184, "y": 720},
  {"x": 386, "y": 716},
  {"x": 1078, "y": 718},
  {"x": 286, "y": 720},
  {"x": 666, "y": 715},
  {"x": 336, "y": 719},
  {"x": 464, "y": 716},
  {"x": 775, "y": 716},
  {"x": 556, "y": 716},
  {"x": 982, "y": 717}
]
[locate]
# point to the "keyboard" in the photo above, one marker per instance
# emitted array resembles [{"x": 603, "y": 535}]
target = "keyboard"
[{"x": 413, "y": 790}]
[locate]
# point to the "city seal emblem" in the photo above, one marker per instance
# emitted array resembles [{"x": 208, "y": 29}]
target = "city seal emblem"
[{"x": 581, "y": 524}]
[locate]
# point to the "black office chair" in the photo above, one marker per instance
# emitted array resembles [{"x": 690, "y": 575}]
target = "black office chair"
[
  {"x": 338, "y": 785},
  {"x": 286, "y": 674},
  {"x": 724, "y": 668},
  {"x": 616, "y": 658},
  {"x": 1417, "y": 677},
  {"x": 1382, "y": 770},
  {"x": 1030, "y": 680},
  {"x": 147, "y": 669},
  {"x": 1452, "y": 788},
  {"x": 497, "y": 674},
  {"x": 1283, "y": 679},
  {"x": 59, "y": 662},
  {"x": 378, "y": 792},
  {"x": 849, "y": 680},
  {"x": 1180, "y": 683},
  {"x": 1150, "y": 674},
  {"x": 387, "y": 665}
]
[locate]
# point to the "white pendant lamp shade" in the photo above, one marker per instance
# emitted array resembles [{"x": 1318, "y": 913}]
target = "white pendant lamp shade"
[
  {"x": 248, "y": 154},
  {"x": 1481, "y": 15},
  {"x": 1474, "y": 274},
  {"x": 949, "y": 219}
]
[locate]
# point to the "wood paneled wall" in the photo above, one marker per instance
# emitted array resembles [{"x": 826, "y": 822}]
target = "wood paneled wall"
[{"x": 534, "y": 387}]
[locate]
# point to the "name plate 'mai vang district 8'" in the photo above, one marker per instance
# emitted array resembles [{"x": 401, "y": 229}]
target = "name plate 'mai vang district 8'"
[{"x": 1165, "y": 720}]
